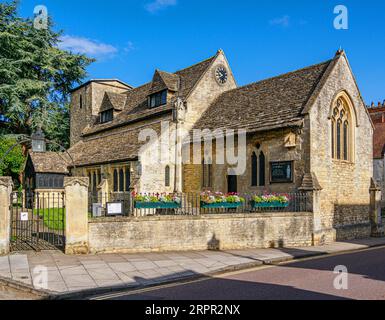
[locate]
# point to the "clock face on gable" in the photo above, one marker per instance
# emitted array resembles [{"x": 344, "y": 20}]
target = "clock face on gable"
[{"x": 221, "y": 74}]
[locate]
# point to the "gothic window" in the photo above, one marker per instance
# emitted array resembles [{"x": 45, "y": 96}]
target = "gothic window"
[
  {"x": 339, "y": 140},
  {"x": 128, "y": 179},
  {"x": 81, "y": 102},
  {"x": 342, "y": 131},
  {"x": 258, "y": 167},
  {"x": 94, "y": 182},
  {"x": 262, "y": 165},
  {"x": 121, "y": 180},
  {"x": 167, "y": 176},
  {"x": 254, "y": 170},
  {"x": 116, "y": 180}
]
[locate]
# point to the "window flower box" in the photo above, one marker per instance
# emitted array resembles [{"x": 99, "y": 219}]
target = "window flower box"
[
  {"x": 219, "y": 200},
  {"x": 220, "y": 205},
  {"x": 157, "y": 205},
  {"x": 275, "y": 204},
  {"x": 270, "y": 201},
  {"x": 157, "y": 201}
]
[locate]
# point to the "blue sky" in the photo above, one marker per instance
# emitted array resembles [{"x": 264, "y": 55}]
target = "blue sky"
[{"x": 261, "y": 39}]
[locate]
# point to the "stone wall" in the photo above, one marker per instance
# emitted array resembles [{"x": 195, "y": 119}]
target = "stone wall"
[
  {"x": 345, "y": 197},
  {"x": 179, "y": 233}
]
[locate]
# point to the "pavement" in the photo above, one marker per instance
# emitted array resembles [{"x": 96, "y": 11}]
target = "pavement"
[
  {"x": 79, "y": 276},
  {"x": 307, "y": 279}
]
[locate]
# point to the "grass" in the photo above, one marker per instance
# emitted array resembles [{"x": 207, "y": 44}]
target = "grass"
[{"x": 53, "y": 218}]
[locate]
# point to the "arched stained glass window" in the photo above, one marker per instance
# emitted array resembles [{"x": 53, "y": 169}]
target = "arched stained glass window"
[
  {"x": 346, "y": 142},
  {"x": 342, "y": 130},
  {"x": 339, "y": 140}
]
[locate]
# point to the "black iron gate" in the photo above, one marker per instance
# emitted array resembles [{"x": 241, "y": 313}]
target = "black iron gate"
[{"x": 37, "y": 221}]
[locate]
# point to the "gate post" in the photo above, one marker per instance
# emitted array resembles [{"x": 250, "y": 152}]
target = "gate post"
[
  {"x": 76, "y": 208},
  {"x": 6, "y": 186}
]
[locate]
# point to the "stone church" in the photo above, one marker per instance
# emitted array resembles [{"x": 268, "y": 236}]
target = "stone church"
[{"x": 304, "y": 130}]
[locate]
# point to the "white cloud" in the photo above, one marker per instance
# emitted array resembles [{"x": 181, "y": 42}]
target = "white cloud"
[
  {"x": 157, "y": 5},
  {"x": 86, "y": 46},
  {"x": 281, "y": 21},
  {"x": 129, "y": 47}
]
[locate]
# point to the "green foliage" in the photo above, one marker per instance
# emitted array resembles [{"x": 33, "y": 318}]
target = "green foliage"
[
  {"x": 14, "y": 161},
  {"x": 53, "y": 218},
  {"x": 36, "y": 77}
]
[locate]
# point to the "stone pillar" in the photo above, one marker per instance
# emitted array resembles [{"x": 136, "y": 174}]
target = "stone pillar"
[
  {"x": 375, "y": 210},
  {"x": 6, "y": 186},
  {"x": 76, "y": 198},
  {"x": 311, "y": 186}
]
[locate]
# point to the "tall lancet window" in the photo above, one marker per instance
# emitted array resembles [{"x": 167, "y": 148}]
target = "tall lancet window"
[{"x": 342, "y": 131}]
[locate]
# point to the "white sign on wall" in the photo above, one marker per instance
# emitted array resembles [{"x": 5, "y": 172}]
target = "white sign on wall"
[
  {"x": 114, "y": 208},
  {"x": 24, "y": 216}
]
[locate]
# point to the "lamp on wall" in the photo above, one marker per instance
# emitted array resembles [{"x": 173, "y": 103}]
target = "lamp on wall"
[{"x": 38, "y": 141}]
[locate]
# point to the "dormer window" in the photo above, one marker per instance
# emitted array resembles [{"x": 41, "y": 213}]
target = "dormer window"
[
  {"x": 157, "y": 99},
  {"x": 106, "y": 116}
]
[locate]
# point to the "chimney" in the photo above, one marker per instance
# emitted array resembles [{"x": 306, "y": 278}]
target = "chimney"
[{"x": 379, "y": 104}]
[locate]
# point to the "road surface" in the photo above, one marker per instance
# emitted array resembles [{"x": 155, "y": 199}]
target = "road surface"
[{"x": 308, "y": 279}]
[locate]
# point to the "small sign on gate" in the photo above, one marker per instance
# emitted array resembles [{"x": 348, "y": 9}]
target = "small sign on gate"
[{"x": 24, "y": 216}]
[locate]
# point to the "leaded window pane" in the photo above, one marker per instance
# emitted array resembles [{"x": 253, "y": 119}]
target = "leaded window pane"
[
  {"x": 254, "y": 170},
  {"x": 339, "y": 140},
  {"x": 262, "y": 165}
]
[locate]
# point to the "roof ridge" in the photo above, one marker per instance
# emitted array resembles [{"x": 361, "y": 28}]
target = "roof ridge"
[
  {"x": 194, "y": 65},
  {"x": 281, "y": 75}
]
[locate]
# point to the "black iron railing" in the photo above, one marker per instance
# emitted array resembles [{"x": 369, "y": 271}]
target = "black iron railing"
[{"x": 125, "y": 204}]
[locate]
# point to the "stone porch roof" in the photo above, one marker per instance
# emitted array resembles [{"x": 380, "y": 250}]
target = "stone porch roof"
[{"x": 50, "y": 162}]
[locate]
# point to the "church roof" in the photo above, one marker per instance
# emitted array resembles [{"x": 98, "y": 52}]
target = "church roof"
[
  {"x": 136, "y": 106},
  {"x": 117, "y": 147},
  {"x": 50, "y": 162},
  {"x": 273, "y": 103}
]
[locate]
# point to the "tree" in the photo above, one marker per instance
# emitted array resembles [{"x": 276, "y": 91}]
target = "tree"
[
  {"x": 36, "y": 77},
  {"x": 14, "y": 161}
]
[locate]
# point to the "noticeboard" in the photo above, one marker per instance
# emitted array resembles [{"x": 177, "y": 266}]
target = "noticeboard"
[
  {"x": 114, "y": 208},
  {"x": 281, "y": 172}
]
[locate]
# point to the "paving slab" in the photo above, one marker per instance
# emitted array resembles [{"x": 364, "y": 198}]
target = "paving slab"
[{"x": 109, "y": 271}]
